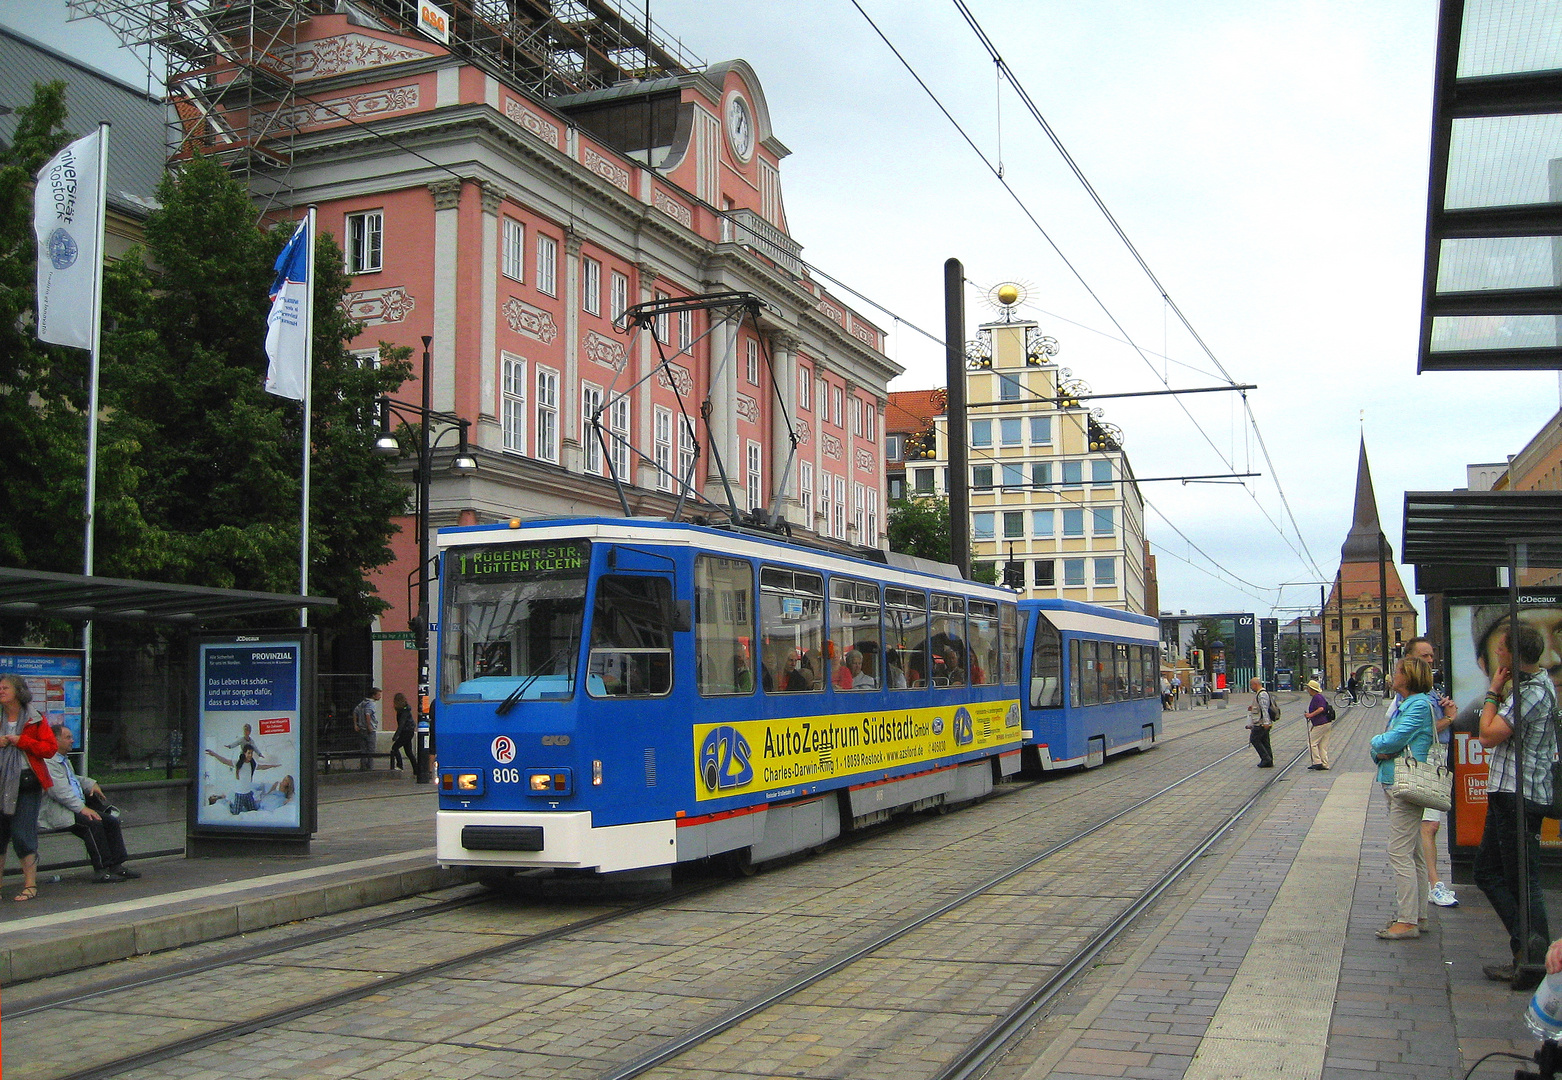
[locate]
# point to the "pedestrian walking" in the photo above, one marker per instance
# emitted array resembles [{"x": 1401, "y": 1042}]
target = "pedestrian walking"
[
  {"x": 25, "y": 742},
  {"x": 1320, "y": 717},
  {"x": 405, "y": 729},
  {"x": 1261, "y": 716},
  {"x": 1412, "y": 729},
  {"x": 366, "y": 722},
  {"x": 1166, "y": 698}
]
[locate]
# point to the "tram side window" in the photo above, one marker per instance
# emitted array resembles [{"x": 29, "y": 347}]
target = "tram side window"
[
  {"x": 854, "y": 634},
  {"x": 1089, "y": 681},
  {"x": 982, "y": 620},
  {"x": 1010, "y": 642},
  {"x": 791, "y": 620},
  {"x": 1120, "y": 682},
  {"x": 905, "y": 639},
  {"x": 724, "y": 625},
  {"x": 1107, "y": 669},
  {"x": 631, "y": 638},
  {"x": 1046, "y": 667},
  {"x": 1151, "y": 684},
  {"x": 950, "y": 654},
  {"x": 1135, "y": 672}
]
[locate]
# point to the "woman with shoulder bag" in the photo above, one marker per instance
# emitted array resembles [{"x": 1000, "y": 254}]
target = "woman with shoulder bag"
[
  {"x": 25, "y": 741},
  {"x": 1412, "y": 729}
]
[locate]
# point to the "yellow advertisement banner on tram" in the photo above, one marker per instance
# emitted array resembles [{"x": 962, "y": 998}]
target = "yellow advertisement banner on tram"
[{"x": 764, "y": 755}]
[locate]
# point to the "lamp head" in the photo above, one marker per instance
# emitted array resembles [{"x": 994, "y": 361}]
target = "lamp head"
[{"x": 387, "y": 445}]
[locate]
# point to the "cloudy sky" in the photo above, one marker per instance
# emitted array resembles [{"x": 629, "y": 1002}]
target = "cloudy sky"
[{"x": 1268, "y": 160}]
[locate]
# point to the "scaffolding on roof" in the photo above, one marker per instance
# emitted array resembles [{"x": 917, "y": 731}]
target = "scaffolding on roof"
[{"x": 232, "y": 87}]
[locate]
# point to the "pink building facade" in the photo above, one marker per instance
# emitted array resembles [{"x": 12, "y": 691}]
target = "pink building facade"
[{"x": 514, "y": 232}]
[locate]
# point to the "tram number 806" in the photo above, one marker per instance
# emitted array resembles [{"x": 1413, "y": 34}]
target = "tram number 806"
[{"x": 507, "y": 776}]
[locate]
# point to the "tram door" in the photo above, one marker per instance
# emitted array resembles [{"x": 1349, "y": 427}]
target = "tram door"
[{"x": 632, "y": 623}]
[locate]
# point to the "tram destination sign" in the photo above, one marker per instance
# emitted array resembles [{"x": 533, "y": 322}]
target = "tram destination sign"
[{"x": 512, "y": 562}]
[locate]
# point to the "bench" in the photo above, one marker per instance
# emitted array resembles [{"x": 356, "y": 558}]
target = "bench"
[{"x": 327, "y": 757}]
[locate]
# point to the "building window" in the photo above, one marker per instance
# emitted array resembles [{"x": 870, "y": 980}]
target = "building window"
[
  {"x": 856, "y": 415},
  {"x": 618, "y": 421},
  {"x": 590, "y": 285},
  {"x": 1041, "y": 522},
  {"x": 897, "y": 487},
  {"x": 753, "y": 362},
  {"x": 1103, "y": 521},
  {"x": 547, "y": 265},
  {"x": 824, "y": 502},
  {"x": 981, "y": 476},
  {"x": 618, "y": 296},
  {"x": 894, "y": 446},
  {"x": 870, "y": 422},
  {"x": 1375, "y": 623},
  {"x": 548, "y": 414},
  {"x": 514, "y": 262},
  {"x": 981, "y": 432},
  {"x": 1355, "y": 624},
  {"x": 1014, "y": 476},
  {"x": 1073, "y": 473},
  {"x": 860, "y": 511},
  {"x": 982, "y": 525},
  {"x": 873, "y": 519},
  {"x": 590, "y": 405},
  {"x": 686, "y": 451},
  {"x": 1010, "y": 430},
  {"x": 685, "y": 329},
  {"x": 1041, "y": 474},
  {"x": 512, "y": 404},
  {"x": 1073, "y": 571},
  {"x": 1008, "y": 388},
  {"x": 805, "y": 492},
  {"x": 1100, "y": 471},
  {"x": 1045, "y": 574},
  {"x": 836, "y": 401},
  {"x": 923, "y": 481},
  {"x": 805, "y": 378},
  {"x": 1106, "y": 571},
  {"x": 839, "y": 508},
  {"x": 662, "y": 448},
  {"x": 1013, "y": 524},
  {"x": 1040, "y": 430},
  {"x": 756, "y": 477},
  {"x": 1399, "y": 622},
  {"x": 1334, "y": 624},
  {"x": 365, "y": 241},
  {"x": 1074, "y": 522},
  {"x": 661, "y": 318}
]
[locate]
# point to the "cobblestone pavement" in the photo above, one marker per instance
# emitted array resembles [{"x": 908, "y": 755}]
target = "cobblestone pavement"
[{"x": 576, "y": 1005}]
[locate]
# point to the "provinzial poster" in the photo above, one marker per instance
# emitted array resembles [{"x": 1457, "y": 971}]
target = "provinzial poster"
[
  {"x": 55, "y": 678},
  {"x": 250, "y": 734}
]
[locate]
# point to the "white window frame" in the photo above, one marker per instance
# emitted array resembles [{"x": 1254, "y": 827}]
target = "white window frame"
[
  {"x": 837, "y": 402},
  {"x": 547, "y": 265},
  {"x": 860, "y": 510},
  {"x": 590, "y": 445},
  {"x": 856, "y": 415},
  {"x": 590, "y": 285},
  {"x": 618, "y": 412},
  {"x": 824, "y": 504},
  {"x": 547, "y": 414},
  {"x": 661, "y": 322},
  {"x": 805, "y": 378},
  {"x": 838, "y": 507},
  {"x": 755, "y": 460},
  {"x": 618, "y": 296},
  {"x": 686, "y": 448},
  {"x": 870, "y": 422},
  {"x": 873, "y": 519},
  {"x": 685, "y": 329},
  {"x": 805, "y": 492},
  {"x": 513, "y": 260},
  {"x": 662, "y": 447},
  {"x": 365, "y": 245},
  {"x": 752, "y": 362},
  {"x": 512, "y": 402}
]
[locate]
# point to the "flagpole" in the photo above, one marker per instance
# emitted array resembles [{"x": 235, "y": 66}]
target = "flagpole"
[
  {"x": 89, "y": 546},
  {"x": 309, "y": 365}
]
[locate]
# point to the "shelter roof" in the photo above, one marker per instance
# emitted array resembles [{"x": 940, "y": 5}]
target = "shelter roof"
[
  {"x": 1479, "y": 528},
  {"x": 38, "y": 593}
]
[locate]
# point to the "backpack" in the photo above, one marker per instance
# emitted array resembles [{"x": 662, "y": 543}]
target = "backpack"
[
  {"x": 1329, "y": 714},
  {"x": 1274, "y": 710}
]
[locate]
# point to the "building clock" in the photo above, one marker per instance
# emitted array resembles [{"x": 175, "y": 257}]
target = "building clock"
[{"x": 740, "y": 128}]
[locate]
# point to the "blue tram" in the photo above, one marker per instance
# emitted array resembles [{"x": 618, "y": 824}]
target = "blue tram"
[
  {"x": 1094, "y": 676},
  {"x": 620, "y": 694}
]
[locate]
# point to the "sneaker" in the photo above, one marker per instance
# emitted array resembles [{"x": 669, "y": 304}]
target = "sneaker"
[
  {"x": 1498, "y": 972},
  {"x": 1442, "y": 896}
]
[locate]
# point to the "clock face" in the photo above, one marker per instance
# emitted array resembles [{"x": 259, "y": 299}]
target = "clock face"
[{"x": 740, "y": 128}]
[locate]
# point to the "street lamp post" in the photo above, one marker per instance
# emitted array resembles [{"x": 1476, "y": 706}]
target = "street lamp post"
[{"x": 388, "y": 445}]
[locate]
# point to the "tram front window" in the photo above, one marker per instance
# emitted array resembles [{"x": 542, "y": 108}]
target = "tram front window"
[{"x": 512, "y": 619}]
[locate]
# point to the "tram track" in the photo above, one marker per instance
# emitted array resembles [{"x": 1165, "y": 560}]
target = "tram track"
[{"x": 382, "y": 984}]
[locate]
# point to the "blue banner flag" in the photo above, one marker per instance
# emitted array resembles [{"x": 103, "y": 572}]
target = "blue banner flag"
[{"x": 287, "y": 329}]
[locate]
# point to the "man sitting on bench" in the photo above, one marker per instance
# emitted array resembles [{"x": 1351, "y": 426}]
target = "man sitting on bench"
[{"x": 77, "y": 803}]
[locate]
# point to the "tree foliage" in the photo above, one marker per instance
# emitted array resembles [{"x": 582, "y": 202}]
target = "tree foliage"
[
  {"x": 199, "y": 468},
  {"x": 919, "y": 526}
]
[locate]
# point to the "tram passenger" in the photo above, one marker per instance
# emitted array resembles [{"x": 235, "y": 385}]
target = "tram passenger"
[
  {"x": 848, "y": 673},
  {"x": 954, "y": 673},
  {"x": 895, "y": 676},
  {"x": 742, "y": 676}
]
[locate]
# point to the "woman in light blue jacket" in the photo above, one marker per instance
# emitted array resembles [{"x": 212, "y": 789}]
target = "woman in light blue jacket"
[{"x": 1412, "y": 727}]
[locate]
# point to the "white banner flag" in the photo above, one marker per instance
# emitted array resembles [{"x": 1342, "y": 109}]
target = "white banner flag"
[
  {"x": 287, "y": 328},
  {"x": 67, "y": 206}
]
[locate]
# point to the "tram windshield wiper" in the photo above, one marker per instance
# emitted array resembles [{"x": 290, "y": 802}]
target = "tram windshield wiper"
[{"x": 504, "y": 707}]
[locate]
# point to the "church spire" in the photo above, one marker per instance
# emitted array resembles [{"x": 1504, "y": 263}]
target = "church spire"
[{"x": 1361, "y": 544}]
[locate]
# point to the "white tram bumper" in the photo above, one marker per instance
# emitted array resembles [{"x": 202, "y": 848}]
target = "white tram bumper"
[{"x": 562, "y": 839}]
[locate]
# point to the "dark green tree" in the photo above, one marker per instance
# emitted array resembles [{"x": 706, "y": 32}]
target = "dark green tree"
[
  {"x": 919, "y": 526},
  {"x": 220, "y": 458}
]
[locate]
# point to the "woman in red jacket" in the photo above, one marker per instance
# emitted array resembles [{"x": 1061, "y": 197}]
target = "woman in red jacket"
[{"x": 25, "y": 740}]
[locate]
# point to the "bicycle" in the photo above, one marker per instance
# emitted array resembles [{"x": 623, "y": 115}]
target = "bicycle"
[{"x": 1367, "y": 699}]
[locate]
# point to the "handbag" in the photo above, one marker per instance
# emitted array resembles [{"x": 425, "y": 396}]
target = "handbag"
[{"x": 1427, "y": 784}]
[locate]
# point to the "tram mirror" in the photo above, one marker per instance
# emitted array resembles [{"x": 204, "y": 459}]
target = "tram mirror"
[{"x": 682, "y": 616}]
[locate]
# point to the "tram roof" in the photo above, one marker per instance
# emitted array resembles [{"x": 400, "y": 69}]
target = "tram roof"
[{"x": 754, "y": 544}]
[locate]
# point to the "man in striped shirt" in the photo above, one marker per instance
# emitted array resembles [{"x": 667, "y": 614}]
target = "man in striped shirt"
[{"x": 1526, "y": 710}]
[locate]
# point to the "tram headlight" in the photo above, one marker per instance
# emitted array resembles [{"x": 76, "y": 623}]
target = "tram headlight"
[
  {"x": 466, "y": 782},
  {"x": 550, "y": 782},
  {"x": 596, "y": 774},
  {"x": 541, "y": 781}
]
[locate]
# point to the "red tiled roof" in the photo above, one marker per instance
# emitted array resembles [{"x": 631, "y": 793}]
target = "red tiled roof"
[{"x": 913, "y": 410}]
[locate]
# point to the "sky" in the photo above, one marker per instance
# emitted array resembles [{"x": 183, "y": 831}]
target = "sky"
[{"x": 1269, "y": 161}]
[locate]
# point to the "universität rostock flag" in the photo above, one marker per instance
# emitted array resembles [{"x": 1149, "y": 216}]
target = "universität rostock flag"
[
  {"x": 66, "y": 208},
  {"x": 286, "y": 333}
]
